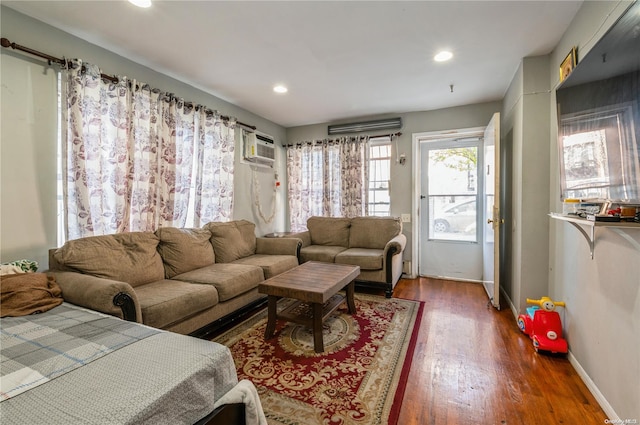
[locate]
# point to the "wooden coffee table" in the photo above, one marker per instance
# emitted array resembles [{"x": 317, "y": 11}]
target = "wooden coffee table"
[{"x": 315, "y": 284}]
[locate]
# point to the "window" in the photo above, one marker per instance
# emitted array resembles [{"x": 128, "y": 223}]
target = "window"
[
  {"x": 379, "y": 175},
  {"x": 599, "y": 156},
  {"x": 453, "y": 193}
]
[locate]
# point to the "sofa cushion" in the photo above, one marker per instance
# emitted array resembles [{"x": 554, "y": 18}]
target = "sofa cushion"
[
  {"x": 230, "y": 280},
  {"x": 373, "y": 232},
  {"x": 272, "y": 265},
  {"x": 126, "y": 257},
  {"x": 332, "y": 231},
  {"x": 183, "y": 250},
  {"x": 232, "y": 240},
  {"x": 168, "y": 301},
  {"x": 322, "y": 253},
  {"x": 367, "y": 259}
]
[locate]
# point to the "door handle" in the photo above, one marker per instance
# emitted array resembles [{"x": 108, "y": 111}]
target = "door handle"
[{"x": 501, "y": 221}]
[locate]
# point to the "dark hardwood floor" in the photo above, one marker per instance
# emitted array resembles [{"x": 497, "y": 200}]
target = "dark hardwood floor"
[{"x": 472, "y": 365}]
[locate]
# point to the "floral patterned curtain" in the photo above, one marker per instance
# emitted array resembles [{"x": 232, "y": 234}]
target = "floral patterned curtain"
[
  {"x": 129, "y": 158},
  {"x": 161, "y": 160},
  {"x": 354, "y": 175},
  {"x": 327, "y": 178},
  {"x": 97, "y": 153},
  {"x": 175, "y": 153},
  {"x": 145, "y": 167},
  {"x": 214, "y": 173}
]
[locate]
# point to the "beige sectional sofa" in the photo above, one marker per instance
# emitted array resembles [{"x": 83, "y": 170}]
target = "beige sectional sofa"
[
  {"x": 182, "y": 280},
  {"x": 376, "y": 244}
]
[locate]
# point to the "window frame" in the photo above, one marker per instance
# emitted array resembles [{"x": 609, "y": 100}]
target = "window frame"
[
  {"x": 373, "y": 143},
  {"x": 471, "y": 142}
]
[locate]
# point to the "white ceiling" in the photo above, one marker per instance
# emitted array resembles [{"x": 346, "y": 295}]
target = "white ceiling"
[{"x": 339, "y": 59}]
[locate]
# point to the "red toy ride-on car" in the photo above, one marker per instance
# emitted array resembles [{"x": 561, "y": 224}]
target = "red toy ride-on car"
[{"x": 542, "y": 323}]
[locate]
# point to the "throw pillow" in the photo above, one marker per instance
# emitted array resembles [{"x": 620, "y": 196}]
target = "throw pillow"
[
  {"x": 183, "y": 250},
  {"x": 232, "y": 240},
  {"x": 331, "y": 231},
  {"x": 373, "y": 232},
  {"x": 125, "y": 257}
]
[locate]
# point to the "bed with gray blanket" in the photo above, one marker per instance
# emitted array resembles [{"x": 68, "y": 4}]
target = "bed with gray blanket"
[{"x": 70, "y": 365}]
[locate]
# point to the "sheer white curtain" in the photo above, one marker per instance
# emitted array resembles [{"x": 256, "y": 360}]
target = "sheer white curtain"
[
  {"x": 128, "y": 159},
  {"x": 327, "y": 178}
]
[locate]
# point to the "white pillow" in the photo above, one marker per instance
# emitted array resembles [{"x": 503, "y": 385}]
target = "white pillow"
[{"x": 9, "y": 269}]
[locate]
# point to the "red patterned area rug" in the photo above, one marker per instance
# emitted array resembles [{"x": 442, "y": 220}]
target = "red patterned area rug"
[{"x": 359, "y": 379}]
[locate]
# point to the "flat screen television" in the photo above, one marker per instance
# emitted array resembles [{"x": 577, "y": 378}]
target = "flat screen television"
[{"x": 598, "y": 107}]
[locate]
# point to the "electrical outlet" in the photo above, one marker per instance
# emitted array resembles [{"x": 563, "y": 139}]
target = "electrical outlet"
[{"x": 406, "y": 218}]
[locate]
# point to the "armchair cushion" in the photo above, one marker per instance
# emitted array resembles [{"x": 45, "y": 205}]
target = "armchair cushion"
[
  {"x": 126, "y": 257},
  {"x": 183, "y": 250},
  {"x": 322, "y": 253},
  {"x": 232, "y": 240},
  {"x": 373, "y": 232},
  {"x": 331, "y": 231},
  {"x": 367, "y": 259}
]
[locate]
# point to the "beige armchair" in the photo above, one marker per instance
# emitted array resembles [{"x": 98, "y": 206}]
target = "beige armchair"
[{"x": 376, "y": 244}]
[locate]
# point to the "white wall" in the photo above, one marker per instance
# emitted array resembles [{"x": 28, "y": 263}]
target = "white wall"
[
  {"x": 28, "y": 159},
  {"x": 28, "y": 145},
  {"x": 602, "y": 318}
]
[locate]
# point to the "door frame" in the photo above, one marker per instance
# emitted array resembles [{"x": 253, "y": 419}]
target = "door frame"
[{"x": 417, "y": 138}]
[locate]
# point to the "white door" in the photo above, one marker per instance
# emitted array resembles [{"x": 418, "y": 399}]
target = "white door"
[
  {"x": 451, "y": 206},
  {"x": 492, "y": 217}
]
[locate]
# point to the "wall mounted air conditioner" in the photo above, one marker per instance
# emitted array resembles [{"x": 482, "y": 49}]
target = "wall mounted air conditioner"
[
  {"x": 259, "y": 148},
  {"x": 359, "y": 127}
]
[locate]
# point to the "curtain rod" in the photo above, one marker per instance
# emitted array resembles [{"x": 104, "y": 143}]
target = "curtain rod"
[
  {"x": 63, "y": 62},
  {"x": 319, "y": 142}
]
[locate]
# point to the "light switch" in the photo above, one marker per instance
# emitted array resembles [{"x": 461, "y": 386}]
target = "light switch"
[{"x": 406, "y": 218}]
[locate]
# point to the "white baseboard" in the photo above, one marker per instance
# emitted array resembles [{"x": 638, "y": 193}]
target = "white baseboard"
[
  {"x": 514, "y": 310},
  {"x": 602, "y": 401}
]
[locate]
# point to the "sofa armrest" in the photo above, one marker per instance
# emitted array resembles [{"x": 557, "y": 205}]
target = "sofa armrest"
[
  {"x": 278, "y": 246},
  {"x": 104, "y": 295},
  {"x": 305, "y": 237},
  {"x": 395, "y": 245},
  {"x": 393, "y": 266}
]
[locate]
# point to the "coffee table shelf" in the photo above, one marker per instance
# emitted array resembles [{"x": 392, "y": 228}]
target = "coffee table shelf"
[{"x": 301, "y": 312}]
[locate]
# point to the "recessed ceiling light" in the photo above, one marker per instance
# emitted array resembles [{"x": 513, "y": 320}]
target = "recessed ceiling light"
[
  {"x": 280, "y": 89},
  {"x": 443, "y": 56},
  {"x": 141, "y": 3}
]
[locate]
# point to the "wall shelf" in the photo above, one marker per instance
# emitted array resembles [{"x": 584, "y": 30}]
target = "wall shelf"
[{"x": 616, "y": 226}]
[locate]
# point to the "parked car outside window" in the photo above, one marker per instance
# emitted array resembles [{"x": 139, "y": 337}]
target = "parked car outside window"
[{"x": 459, "y": 217}]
